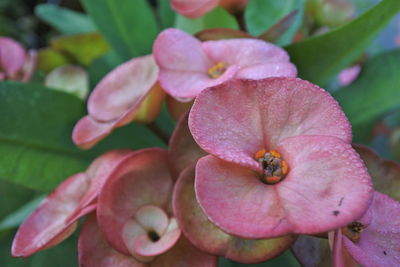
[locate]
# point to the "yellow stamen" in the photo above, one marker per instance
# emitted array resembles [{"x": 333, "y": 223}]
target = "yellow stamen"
[
  {"x": 353, "y": 231},
  {"x": 284, "y": 167},
  {"x": 275, "y": 154},
  {"x": 260, "y": 154},
  {"x": 217, "y": 70},
  {"x": 273, "y": 179}
]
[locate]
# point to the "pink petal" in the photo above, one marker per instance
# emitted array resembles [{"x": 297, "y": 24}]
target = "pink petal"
[
  {"x": 244, "y": 52},
  {"x": 12, "y": 56},
  {"x": 123, "y": 88},
  {"x": 152, "y": 217},
  {"x": 227, "y": 124},
  {"x": 176, "y": 50},
  {"x": 141, "y": 179},
  {"x": 184, "y": 254},
  {"x": 188, "y": 84},
  {"x": 348, "y": 75},
  {"x": 379, "y": 244},
  {"x": 130, "y": 232},
  {"x": 147, "y": 218},
  {"x": 47, "y": 225},
  {"x": 87, "y": 132},
  {"x": 261, "y": 71},
  {"x": 94, "y": 251},
  {"x": 182, "y": 149},
  {"x": 209, "y": 238},
  {"x": 144, "y": 246},
  {"x": 238, "y": 118},
  {"x": 332, "y": 174},
  {"x": 193, "y": 8},
  {"x": 327, "y": 187},
  {"x": 98, "y": 172}
]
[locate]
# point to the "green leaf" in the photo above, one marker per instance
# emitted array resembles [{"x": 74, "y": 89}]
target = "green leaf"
[
  {"x": 15, "y": 196},
  {"x": 62, "y": 255},
  {"x": 129, "y": 26},
  {"x": 260, "y": 15},
  {"x": 35, "y": 139},
  {"x": 64, "y": 20},
  {"x": 217, "y": 18},
  {"x": 166, "y": 14},
  {"x": 374, "y": 93},
  {"x": 321, "y": 57},
  {"x": 14, "y": 219}
]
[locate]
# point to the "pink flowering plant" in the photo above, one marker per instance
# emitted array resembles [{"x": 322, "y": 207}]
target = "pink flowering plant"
[{"x": 200, "y": 133}]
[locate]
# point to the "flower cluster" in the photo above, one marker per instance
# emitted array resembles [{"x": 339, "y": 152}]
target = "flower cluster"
[{"x": 262, "y": 159}]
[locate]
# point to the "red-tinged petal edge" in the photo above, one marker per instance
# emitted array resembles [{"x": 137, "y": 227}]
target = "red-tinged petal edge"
[
  {"x": 98, "y": 172},
  {"x": 47, "y": 225},
  {"x": 123, "y": 88},
  {"x": 88, "y": 132},
  {"x": 209, "y": 238},
  {"x": 182, "y": 149},
  {"x": 193, "y": 9},
  {"x": 141, "y": 179}
]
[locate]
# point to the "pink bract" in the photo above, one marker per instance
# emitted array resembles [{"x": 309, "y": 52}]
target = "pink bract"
[
  {"x": 327, "y": 185},
  {"x": 135, "y": 214},
  {"x": 116, "y": 100},
  {"x": 56, "y": 217},
  {"x": 15, "y": 63},
  {"x": 193, "y": 8},
  {"x": 379, "y": 243},
  {"x": 188, "y": 66},
  {"x": 183, "y": 151}
]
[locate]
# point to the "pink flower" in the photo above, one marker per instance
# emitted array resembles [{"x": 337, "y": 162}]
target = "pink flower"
[
  {"x": 197, "y": 8},
  {"x": 188, "y": 66},
  {"x": 57, "y": 216},
  {"x": 117, "y": 100},
  {"x": 280, "y": 159},
  {"x": 374, "y": 239},
  {"x": 135, "y": 216},
  {"x": 15, "y": 63}
]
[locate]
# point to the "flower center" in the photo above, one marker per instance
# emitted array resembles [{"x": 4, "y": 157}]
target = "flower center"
[
  {"x": 153, "y": 236},
  {"x": 274, "y": 168},
  {"x": 353, "y": 231},
  {"x": 217, "y": 70}
]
